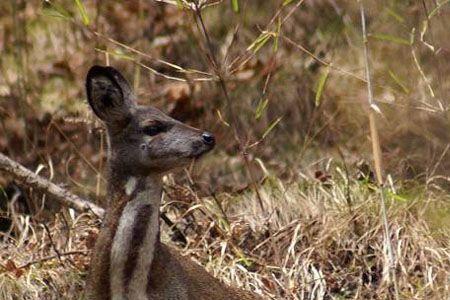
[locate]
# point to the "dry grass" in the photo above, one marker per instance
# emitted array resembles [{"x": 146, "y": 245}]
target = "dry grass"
[
  {"x": 36, "y": 265},
  {"x": 317, "y": 240}
]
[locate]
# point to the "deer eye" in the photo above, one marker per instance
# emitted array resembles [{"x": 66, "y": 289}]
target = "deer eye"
[{"x": 154, "y": 129}]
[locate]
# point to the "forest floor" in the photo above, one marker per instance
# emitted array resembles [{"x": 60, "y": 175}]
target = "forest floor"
[{"x": 315, "y": 239}]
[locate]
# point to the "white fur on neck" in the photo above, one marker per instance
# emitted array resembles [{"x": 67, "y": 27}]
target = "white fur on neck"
[
  {"x": 138, "y": 283},
  {"x": 130, "y": 186},
  {"x": 122, "y": 241}
]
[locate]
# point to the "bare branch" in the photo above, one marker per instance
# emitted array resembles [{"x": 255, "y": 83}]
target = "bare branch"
[
  {"x": 376, "y": 150},
  {"x": 37, "y": 182}
]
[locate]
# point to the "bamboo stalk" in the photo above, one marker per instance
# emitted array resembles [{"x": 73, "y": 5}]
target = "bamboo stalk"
[{"x": 376, "y": 152}]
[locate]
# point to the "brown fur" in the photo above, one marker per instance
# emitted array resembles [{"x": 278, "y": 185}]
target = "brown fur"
[
  {"x": 143, "y": 141},
  {"x": 98, "y": 283},
  {"x": 173, "y": 275}
]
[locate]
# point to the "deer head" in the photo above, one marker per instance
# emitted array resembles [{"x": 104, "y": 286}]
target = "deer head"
[{"x": 142, "y": 139}]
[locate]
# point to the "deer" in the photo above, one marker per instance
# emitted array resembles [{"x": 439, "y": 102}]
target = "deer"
[{"x": 129, "y": 261}]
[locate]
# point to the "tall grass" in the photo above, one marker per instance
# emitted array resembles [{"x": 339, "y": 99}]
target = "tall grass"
[{"x": 287, "y": 206}]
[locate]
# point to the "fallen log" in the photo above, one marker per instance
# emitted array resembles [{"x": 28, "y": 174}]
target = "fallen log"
[
  {"x": 32, "y": 180},
  {"x": 63, "y": 196}
]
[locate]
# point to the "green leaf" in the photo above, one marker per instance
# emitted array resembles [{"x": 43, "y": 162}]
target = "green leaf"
[
  {"x": 57, "y": 11},
  {"x": 277, "y": 36},
  {"x": 397, "y": 197},
  {"x": 399, "y": 82},
  {"x": 395, "y": 15},
  {"x": 180, "y": 4},
  {"x": 287, "y": 2},
  {"x": 271, "y": 126},
  {"x": 412, "y": 36},
  {"x": 391, "y": 38},
  {"x": 321, "y": 85},
  {"x": 83, "y": 12},
  {"x": 260, "y": 41},
  {"x": 116, "y": 53},
  {"x": 437, "y": 8},
  {"x": 235, "y": 5},
  {"x": 219, "y": 114},
  {"x": 262, "y": 105},
  {"x": 245, "y": 261}
]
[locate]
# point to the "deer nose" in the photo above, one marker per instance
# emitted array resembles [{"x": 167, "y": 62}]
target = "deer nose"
[{"x": 208, "y": 139}]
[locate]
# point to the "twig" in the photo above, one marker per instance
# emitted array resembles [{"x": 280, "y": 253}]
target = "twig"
[
  {"x": 74, "y": 147},
  {"x": 237, "y": 134},
  {"x": 50, "y": 257},
  {"x": 58, "y": 254},
  {"x": 37, "y": 182},
  {"x": 178, "y": 234},
  {"x": 57, "y": 193},
  {"x": 220, "y": 206},
  {"x": 248, "y": 54},
  {"x": 377, "y": 151},
  {"x": 440, "y": 75},
  {"x": 321, "y": 61}
]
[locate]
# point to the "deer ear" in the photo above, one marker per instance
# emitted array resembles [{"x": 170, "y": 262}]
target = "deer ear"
[{"x": 109, "y": 94}]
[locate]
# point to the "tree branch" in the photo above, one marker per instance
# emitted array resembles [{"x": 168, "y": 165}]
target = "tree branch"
[
  {"x": 64, "y": 197},
  {"x": 28, "y": 178}
]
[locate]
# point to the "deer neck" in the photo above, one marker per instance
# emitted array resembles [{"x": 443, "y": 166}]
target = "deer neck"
[{"x": 134, "y": 218}]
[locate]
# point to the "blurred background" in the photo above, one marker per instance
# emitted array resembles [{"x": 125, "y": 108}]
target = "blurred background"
[{"x": 282, "y": 82}]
